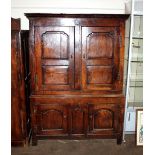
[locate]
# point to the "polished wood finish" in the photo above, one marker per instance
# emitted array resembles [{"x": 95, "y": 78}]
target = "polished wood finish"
[
  {"x": 20, "y": 123},
  {"x": 76, "y": 75},
  {"x": 18, "y": 114},
  {"x": 54, "y": 52}
]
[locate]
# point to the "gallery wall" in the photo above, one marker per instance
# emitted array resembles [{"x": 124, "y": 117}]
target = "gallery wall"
[{"x": 19, "y": 7}]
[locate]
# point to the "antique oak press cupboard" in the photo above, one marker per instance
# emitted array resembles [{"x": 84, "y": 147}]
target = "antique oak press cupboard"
[{"x": 76, "y": 65}]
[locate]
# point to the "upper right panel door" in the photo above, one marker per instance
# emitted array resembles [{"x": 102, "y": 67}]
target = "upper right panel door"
[{"x": 101, "y": 58}]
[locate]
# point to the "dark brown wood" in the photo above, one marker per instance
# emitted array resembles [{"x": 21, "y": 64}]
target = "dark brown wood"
[
  {"x": 103, "y": 118},
  {"x": 25, "y": 57},
  {"x": 100, "y": 53},
  {"x": 15, "y": 24},
  {"x": 78, "y": 119},
  {"x": 19, "y": 118},
  {"x": 63, "y": 15},
  {"x": 54, "y": 52},
  {"x": 81, "y": 115},
  {"x": 18, "y": 115},
  {"x": 76, "y": 69}
]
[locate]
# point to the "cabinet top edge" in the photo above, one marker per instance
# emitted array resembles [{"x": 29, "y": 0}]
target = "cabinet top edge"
[{"x": 62, "y": 15}]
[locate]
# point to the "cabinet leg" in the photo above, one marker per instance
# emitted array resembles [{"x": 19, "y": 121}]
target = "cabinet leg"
[
  {"x": 34, "y": 140},
  {"x": 119, "y": 139}
]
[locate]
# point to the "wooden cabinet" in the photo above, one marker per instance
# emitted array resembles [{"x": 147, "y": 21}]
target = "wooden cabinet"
[
  {"x": 20, "y": 118},
  {"x": 76, "y": 75}
]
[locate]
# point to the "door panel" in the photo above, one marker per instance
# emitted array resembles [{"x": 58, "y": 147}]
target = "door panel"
[
  {"x": 103, "y": 118},
  {"x": 51, "y": 119},
  {"x": 55, "y": 45},
  {"x": 55, "y": 75},
  {"x": 79, "y": 119},
  {"x": 99, "y": 75},
  {"x": 100, "y": 58},
  {"x": 99, "y": 45},
  {"x": 54, "y": 53}
]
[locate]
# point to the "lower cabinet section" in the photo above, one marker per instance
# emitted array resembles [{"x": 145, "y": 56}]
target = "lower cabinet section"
[{"x": 77, "y": 118}]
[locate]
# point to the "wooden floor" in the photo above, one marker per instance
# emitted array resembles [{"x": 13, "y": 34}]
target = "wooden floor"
[{"x": 81, "y": 147}]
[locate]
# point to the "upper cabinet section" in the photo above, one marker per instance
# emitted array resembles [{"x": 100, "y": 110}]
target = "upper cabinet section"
[{"x": 71, "y": 52}]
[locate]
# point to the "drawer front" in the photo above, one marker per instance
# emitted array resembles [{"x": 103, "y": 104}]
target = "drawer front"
[
  {"x": 103, "y": 118},
  {"x": 51, "y": 119}
]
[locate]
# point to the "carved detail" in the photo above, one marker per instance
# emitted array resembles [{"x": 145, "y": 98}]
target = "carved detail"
[{"x": 107, "y": 34}]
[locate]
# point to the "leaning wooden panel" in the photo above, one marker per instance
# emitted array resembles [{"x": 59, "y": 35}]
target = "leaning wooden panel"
[{"x": 19, "y": 117}]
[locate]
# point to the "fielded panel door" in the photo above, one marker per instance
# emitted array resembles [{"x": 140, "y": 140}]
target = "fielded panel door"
[
  {"x": 54, "y": 54},
  {"x": 51, "y": 119},
  {"x": 103, "y": 118},
  {"x": 100, "y": 58}
]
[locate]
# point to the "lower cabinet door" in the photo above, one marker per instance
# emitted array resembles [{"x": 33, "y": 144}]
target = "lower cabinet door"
[
  {"x": 51, "y": 119},
  {"x": 103, "y": 119},
  {"x": 78, "y": 119}
]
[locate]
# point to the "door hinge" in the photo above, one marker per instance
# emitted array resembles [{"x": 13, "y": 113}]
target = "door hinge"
[{"x": 120, "y": 41}]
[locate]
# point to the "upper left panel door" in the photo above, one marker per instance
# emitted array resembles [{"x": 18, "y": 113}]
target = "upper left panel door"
[{"x": 54, "y": 55}]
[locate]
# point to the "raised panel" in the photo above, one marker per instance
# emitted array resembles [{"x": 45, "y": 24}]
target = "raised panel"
[
  {"x": 99, "y": 45},
  {"x": 55, "y": 75},
  {"x": 99, "y": 75},
  {"x": 55, "y": 45},
  {"x": 51, "y": 119},
  {"x": 103, "y": 119}
]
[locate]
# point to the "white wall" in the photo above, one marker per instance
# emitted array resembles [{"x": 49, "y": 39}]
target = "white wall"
[{"x": 19, "y": 7}]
